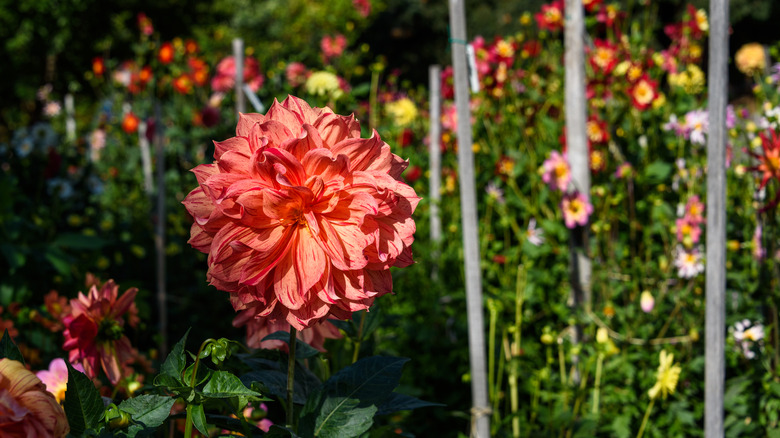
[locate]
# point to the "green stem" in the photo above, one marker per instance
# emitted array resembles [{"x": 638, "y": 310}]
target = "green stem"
[
  {"x": 493, "y": 312},
  {"x": 644, "y": 420},
  {"x": 188, "y": 423},
  {"x": 359, "y": 340},
  {"x": 291, "y": 378},
  {"x": 597, "y": 385}
]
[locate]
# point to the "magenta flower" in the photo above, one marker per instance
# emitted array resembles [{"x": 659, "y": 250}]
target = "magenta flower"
[{"x": 56, "y": 378}]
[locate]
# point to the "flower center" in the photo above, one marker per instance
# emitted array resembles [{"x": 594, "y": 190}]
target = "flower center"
[{"x": 109, "y": 330}]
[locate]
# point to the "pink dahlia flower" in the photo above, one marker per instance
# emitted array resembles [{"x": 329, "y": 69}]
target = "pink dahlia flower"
[
  {"x": 94, "y": 330},
  {"x": 576, "y": 209},
  {"x": 56, "y": 378},
  {"x": 258, "y": 328},
  {"x": 301, "y": 218},
  {"x": 556, "y": 172}
]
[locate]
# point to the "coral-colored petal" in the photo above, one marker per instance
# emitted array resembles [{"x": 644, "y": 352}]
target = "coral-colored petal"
[
  {"x": 289, "y": 119},
  {"x": 246, "y": 122}
]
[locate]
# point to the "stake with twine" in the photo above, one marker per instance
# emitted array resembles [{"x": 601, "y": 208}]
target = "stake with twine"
[
  {"x": 480, "y": 411},
  {"x": 238, "y": 55}
]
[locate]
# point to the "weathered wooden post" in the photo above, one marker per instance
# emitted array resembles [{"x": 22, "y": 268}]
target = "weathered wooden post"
[
  {"x": 238, "y": 56},
  {"x": 715, "y": 319},
  {"x": 146, "y": 158},
  {"x": 480, "y": 410},
  {"x": 159, "y": 237},
  {"x": 434, "y": 154},
  {"x": 577, "y": 143}
]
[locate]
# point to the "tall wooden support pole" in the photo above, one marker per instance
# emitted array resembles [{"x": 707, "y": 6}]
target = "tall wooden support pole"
[
  {"x": 238, "y": 55},
  {"x": 159, "y": 238},
  {"x": 434, "y": 154},
  {"x": 480, "y": 410},
  {"x": 715, "y": 319},
  {"x": 577, "y": 141},
  {"x": 70, "y": 118}
]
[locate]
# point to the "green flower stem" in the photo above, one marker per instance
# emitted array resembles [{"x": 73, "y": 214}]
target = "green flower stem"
[
  {"x": 493, "y": 316},
  {"x": 290, "y": 379},
  {"x": 644, "y": 420},
  {"x": 188, "y": 421},
  {"x": 597, "y": 384}
]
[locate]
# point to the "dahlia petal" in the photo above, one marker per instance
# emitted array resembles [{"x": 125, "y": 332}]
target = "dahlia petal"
[
  {"x": 344, "y": 244},
  {"x": 246, "y": 122},
  {"x": 269, "y": 134},
  {"x": 286, "y": 283},
  {"x": 348, "y": 284},
  {"x": 310, "y": 260},
  {"x": 204, "y": 171},
  {"x": 261, "y": 263},
  {"x": 326, "y": 164},
  {"x": 378, "y": 281},
  {"x": 289, "y": 119},
  {"x": 332, "y": 129},
  {"x": 238, "y": 145},
  {"x": 301, "y": 108},
  {"x": 360, "y": 151},
  {"x": 123, "y": 303},
  {"x": 280, "y": 166},
  {"x": 302, "y": 317},
  {"x": 198, "y": 204},
  {"x": 234, "y": 162},
  {"x": 308, "y": 140}
]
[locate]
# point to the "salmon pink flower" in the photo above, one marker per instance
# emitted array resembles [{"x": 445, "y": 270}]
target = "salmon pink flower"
[
  {"x": 27, "y": 410},
  {"x": 258, "y": 328},
  {"x": 333, "y": 46},
  {"x": 301, "y": 218},
  {"x": 94, "y": 330},
  {"x": 576, "y": 209}
]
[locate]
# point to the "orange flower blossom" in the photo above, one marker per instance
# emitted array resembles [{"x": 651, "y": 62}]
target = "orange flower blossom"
[{"x": 301, "y": 218}]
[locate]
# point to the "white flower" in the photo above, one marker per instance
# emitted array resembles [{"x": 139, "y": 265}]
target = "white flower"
[{"x": 689, "y": 263}]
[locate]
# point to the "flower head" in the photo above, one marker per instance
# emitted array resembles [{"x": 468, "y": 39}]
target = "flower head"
[
  {"x": 556, "y": 172},
  {"x": 301, "y": 218},
  {"x": 750, "y": 58},
  {"x": 26, "y": 408},
  {"x": 747, "y": 335},
  {"x": 94, "y": 330},
  {"x": 666, "y": 378},
  {"x": 324, "y": 83},
  {"x": 551, "y": 16},
  {"x": 333, "y": 46},
  {"x": 56, "y": 378},
  {"x": 165, "y": 55},
  {"x": 130, "y": 123},
  {"x": 534, "y": 235},
  {"x": 643, "y": 92},
  {"x": 688, "y": 262},
  {"x": 403, "y": 111},
  {"x": 646, "y": 301},
  {"x": 576, "y": 209}
]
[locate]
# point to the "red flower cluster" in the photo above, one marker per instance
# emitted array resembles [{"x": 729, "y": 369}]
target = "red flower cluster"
[{"x": 225, "y": 79}]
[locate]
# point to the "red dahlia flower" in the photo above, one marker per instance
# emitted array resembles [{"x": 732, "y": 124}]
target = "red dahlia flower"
[
  {"x": 301, "y": 218},
  {"x": 94, "y": 330}
]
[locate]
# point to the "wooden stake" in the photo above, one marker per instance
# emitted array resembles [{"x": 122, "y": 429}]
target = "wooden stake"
[
  {"x": 70, "y": 119},
  {"x": 715, "y": 319},
  {"x": 480, "y": 410},
  {"x": 577, "y": 143},
  {"x": 434, "y": 154},
  {"x": 238, "y": 55},
  {"x": 146, "y": 158}
]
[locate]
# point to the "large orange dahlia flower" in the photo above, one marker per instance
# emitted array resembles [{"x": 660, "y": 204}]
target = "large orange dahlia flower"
[
  {"x": 300, "y": 217},
  {"x": 27, "y": 410}
]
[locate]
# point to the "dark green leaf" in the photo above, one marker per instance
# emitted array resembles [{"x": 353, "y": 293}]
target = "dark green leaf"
[
  {"x": 344, "y": 406},
  {"x": 83, "y": 405},
  {"x": 224, "y": 385},
  {"x": 401, "y": 402},
  {"x": 61, "y": 261},
  {"x": 302, "y": 349},
  {"x": 174, "y": 363},
  {"x": 8, "y": 349},
  {"x": 199, "y": 418},
  {"x": 151, "y": 410},
  {"x": 657, "y": 172}
]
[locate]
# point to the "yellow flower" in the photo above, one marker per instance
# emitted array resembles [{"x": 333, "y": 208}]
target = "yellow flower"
[
  {"x": 323, "y": 83},
  {"x": 403, "y": 111},
  {"x": 701, "y": 20},
  {"x": 750, "y": 58},
  {"x": 666, "y": 378}
]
